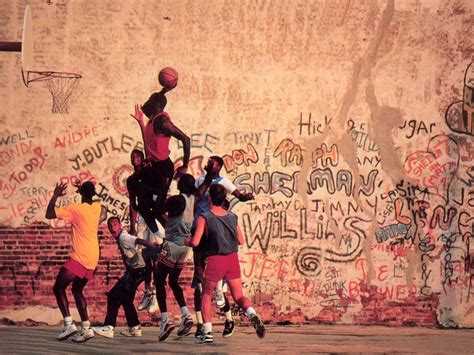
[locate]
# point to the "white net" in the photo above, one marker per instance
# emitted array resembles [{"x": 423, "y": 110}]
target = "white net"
[{"x": 60, "y": 85}]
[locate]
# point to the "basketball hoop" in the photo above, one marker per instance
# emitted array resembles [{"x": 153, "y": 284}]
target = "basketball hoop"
[{"x": 60, "y": 85}]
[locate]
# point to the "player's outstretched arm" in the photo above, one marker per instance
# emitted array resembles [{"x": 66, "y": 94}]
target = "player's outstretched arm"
[
  {"x": 59, "y": 190},
  {"x": 165, "y": 126},
  {"x": 138, "y": 116},
  {"x": 243, "y": 196}
]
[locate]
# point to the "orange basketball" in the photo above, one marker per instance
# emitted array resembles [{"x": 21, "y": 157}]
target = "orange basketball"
[{"x": 168, "y": 77}]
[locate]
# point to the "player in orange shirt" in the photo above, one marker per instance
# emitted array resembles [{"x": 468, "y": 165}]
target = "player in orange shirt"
[{"x": 85, "y": 218}]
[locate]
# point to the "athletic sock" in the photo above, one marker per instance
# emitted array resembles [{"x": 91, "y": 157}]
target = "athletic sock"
[
  {"x": 228, "y": 315},
  {"x": 249, "y": 311},
  {"x": 199, "y": 317},
  {"x": 164, "y": 317},
  {"x": 207, "y": 327},
  {"x": 86, "y": 324},
  {"x": 67, "y": 320},
  {"x": 184, "y": 311}
]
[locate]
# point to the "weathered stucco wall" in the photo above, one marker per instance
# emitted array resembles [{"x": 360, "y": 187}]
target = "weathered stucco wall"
[{"x": 345, "y": 118}]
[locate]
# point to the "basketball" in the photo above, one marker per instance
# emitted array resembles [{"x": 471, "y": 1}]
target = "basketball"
[{"x": 168, "y": 78}]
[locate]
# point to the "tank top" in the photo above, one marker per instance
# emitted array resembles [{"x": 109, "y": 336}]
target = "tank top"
[
  {"x": 156, "y": 145},
  {"x": 221, "y": 236}
]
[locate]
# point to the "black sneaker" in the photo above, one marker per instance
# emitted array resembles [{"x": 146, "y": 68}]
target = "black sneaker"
[
  {"x": 258, "y": 325},
  {"x": 185, "y": 326},
  {"x": 166, "y": 330},
  {"x": 199, "y": 329},
  {"x": 229, "y": 326},
  {"x": 205, "y": 338}
]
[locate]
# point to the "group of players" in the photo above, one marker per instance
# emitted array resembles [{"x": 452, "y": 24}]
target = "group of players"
[{"x": 197, "y": 218}]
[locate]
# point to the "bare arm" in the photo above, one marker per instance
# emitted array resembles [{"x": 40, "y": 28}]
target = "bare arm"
[
  {"x": 164, "y": 125},
  {"x": 138, "y": 116},
  {"x": 197, "y": 236},
  {"x": 146, "y": 243},
  {"x": 243, "y": 196},
  {"x": 240, "y": 237},
  {"x": 103, "y": 214},
  {"x": 59, "y": 190},
  {"x": 133, "y": 208}
]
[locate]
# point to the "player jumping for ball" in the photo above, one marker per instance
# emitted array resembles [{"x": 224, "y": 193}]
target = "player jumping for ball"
[{"x": 159, "y": 169}]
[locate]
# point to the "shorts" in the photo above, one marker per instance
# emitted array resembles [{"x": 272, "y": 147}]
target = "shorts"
[
  {"x": 220, "y": 267},
  {"x": 78, "y": 269},
  {"x": 173, "y": 255}
]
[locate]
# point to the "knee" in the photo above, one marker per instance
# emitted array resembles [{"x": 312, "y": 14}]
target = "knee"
[
  {"x": 57, "y": 289},
  {"x": 77, "y": 290},
  {"x": 174, "y": 284}
]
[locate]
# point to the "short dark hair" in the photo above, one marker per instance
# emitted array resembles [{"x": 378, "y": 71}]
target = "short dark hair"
[
  {"x": 175, "y": 205},
  {"x": 218, "y": 194},
  {"x": 87, "y": 189},
  {"x": 137, "y": 151},
  {"x": 218, "y": 159},
  {"x": 156, "y": 103},
  {"x": 109, "y": 221},
  {"x": 187, "y": 184}
]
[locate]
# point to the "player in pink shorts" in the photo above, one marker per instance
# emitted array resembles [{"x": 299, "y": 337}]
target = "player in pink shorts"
[{"x": 221, "y": 243}]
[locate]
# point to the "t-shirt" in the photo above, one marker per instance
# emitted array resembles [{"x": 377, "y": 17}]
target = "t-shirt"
[
  {"x": 203, "y": 204},
  {"x": 179, "y": 227},
  {"x": 131, "y": 254},
  {"x": 84, "y": 218}
]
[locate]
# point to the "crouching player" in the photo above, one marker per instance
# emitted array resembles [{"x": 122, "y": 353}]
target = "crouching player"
[{"x": 123, "y": 292}]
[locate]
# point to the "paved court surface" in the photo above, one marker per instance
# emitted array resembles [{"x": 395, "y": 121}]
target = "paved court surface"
[{"x": 281, "y": 339}]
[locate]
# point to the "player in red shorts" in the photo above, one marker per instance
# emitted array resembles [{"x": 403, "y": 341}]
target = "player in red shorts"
[
  {"x": 85, "y": 218},
  {"x": 223, "y": 237}
]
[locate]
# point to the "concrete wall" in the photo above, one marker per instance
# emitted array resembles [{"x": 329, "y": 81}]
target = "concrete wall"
[{"x": 351, "y": 122}]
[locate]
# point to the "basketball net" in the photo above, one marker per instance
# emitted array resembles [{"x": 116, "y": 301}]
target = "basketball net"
[{"x": 60, "y": 85}]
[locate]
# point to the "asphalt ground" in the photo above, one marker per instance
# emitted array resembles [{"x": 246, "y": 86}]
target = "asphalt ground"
[{"x": 279, "y": 339}]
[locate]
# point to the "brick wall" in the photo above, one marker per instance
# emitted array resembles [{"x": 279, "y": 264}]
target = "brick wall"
[{"x": 30, "y": 258}]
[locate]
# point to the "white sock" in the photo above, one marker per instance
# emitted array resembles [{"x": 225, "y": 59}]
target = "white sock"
[
  {"x": 228, "y": 315},
  {"x": 219, "y": 286},
  {"x": 164, "y": 317},
  {"x": 207, "y": 327},
  {"x": 199, "y": 317},
  {"x": 249, "y": 311},
  {"x": 184, "y": 311},
  {"x": 86, "y": 324},
  {"x": 68, "y": 320}
]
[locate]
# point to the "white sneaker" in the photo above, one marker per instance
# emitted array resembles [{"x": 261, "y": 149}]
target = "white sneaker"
[
  {"x": 185, "y": 326},
  {"x": 219, "y": 295},
  {"x": 83, "y": 335},
  {"x": 153, "y": 304},
  {"x": 145, "y": 302},
  {"x": 106, "y": 331},
  {"x": 68, "y": 330},
  {"x": 205, "y": 338},
  {"x": 135, "y": 331}
]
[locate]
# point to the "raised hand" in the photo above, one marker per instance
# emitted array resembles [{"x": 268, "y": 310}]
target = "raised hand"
[
  {"x": 138, "y": 116},
  {"x": 76, "y": 183},
  {"x": 60, "y": 189}
]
